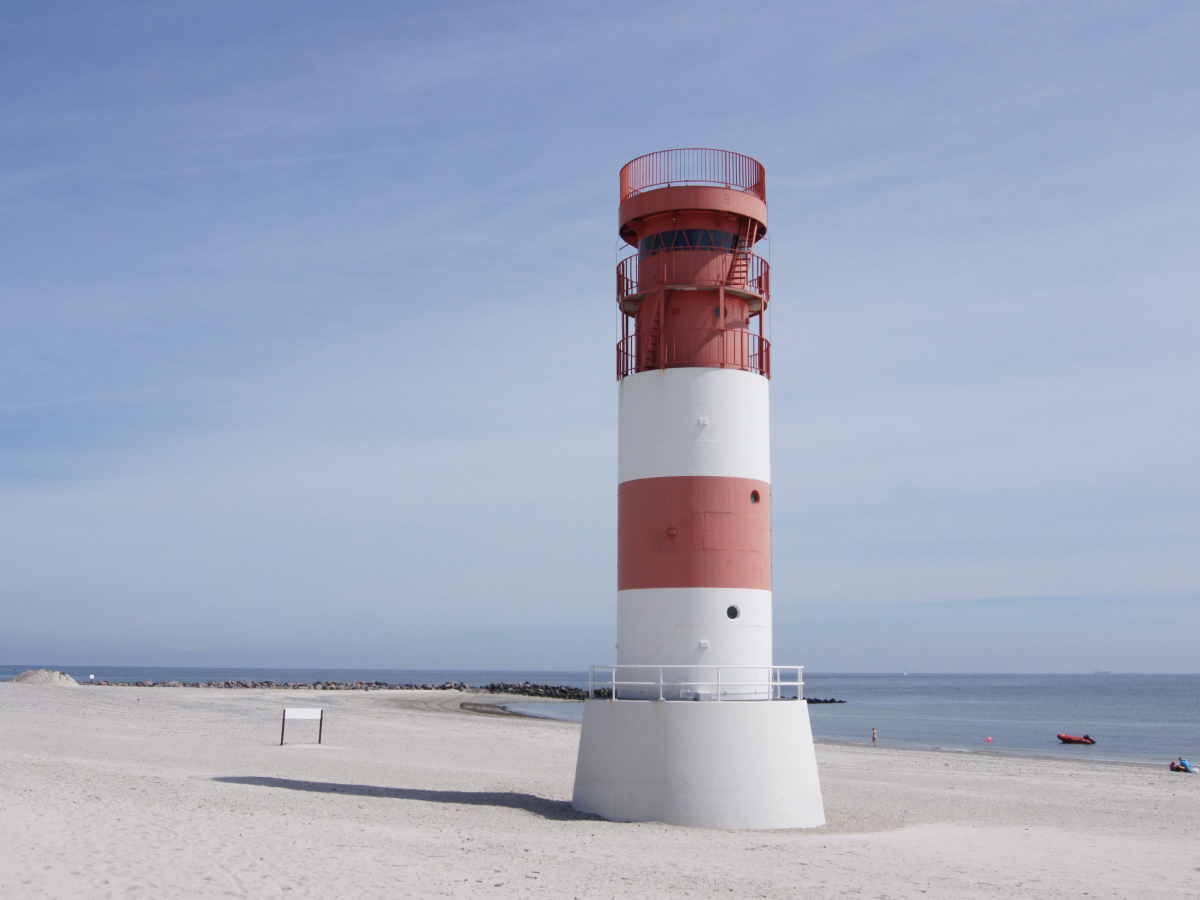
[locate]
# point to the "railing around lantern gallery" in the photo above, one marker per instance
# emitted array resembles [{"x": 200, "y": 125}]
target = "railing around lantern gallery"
[
  {"x": 736, "y": 270},
  {"x": 694, "y": 165},
  {"x": 713, "y": 348},
  {"x": 716, "y": 683}
]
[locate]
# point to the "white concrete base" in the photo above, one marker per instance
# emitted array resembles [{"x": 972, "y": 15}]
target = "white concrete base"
[{"x": 738, "y": 765}]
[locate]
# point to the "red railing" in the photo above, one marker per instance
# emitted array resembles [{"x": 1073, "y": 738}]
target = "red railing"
[
  {"x": 712, "y": 348},
  {"x": 695, "y": 165},
  {"x": 703, "y": 267}
]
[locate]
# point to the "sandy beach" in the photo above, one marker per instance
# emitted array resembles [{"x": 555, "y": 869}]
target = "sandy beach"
[{"x": 184, "y": 792}]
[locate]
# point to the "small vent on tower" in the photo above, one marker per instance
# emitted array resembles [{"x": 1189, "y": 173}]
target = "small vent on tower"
[{"x": 754, "y": 496}]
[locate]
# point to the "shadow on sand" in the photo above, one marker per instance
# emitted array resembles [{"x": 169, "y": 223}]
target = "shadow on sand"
[{"x": 547, "y": 809}]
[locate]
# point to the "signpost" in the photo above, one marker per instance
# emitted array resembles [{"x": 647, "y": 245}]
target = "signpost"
[{"x": 298, "y": 713}]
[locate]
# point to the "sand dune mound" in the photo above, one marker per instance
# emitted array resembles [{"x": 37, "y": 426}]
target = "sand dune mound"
[{"x": 46, "y": 676}]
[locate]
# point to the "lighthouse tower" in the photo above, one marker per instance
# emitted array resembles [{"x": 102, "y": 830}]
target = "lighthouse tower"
[{"x": 695, "y": 725}]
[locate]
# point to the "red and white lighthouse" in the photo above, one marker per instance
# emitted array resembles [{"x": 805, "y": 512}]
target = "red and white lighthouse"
[{"x": 695, "y": 725}]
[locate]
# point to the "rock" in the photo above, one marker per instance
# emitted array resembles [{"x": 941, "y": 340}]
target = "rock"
[
  {"x": 553, "y": 691},
  {"x": 528, "y": 689},
  {"x": 47, "y": 677}
]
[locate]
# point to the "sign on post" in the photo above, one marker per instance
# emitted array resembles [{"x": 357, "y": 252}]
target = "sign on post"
[{"x": 300, "y": 713}]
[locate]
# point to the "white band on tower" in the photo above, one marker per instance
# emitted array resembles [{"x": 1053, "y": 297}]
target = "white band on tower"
[{"x": 694, "y": 421}]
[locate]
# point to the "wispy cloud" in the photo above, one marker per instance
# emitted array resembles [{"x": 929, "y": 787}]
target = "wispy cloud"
[{"x": 307, "y": 322}]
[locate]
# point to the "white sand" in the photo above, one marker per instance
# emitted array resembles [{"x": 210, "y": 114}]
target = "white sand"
[
  {"x": 183, "y": 792},
  {"x": 46, "y": 677}
]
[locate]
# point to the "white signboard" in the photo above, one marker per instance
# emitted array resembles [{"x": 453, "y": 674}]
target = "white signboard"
[{"x": 302, "y": 713}]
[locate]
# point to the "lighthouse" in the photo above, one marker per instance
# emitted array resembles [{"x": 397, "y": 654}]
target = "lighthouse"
[{"x": 695, "y": 724}]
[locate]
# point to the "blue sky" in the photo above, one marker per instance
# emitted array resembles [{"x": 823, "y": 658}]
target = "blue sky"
[{"x": 307, "y": 326}]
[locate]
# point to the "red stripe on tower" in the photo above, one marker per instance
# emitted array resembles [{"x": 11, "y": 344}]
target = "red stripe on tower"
[{"x": 694, "y": 531}]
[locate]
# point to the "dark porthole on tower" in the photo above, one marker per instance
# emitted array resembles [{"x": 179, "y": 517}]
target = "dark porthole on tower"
[
  {"x": 732, "y": 612},
  {"x": 754, "y": 496}
]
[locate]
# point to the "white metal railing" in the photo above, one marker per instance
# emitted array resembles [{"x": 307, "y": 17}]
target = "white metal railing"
[{"x": 696, "y": 682}]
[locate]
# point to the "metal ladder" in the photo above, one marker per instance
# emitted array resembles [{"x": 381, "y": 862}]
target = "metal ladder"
[{"x": 739, "y": 266}]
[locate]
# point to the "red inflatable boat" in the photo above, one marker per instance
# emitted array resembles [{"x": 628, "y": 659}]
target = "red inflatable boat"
[{"x": 1071, "y": 739}]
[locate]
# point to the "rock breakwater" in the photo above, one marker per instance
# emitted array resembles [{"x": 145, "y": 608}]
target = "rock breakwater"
[
  {"x": 521, "y": 689},
  {"x": 527, "y": 689}
]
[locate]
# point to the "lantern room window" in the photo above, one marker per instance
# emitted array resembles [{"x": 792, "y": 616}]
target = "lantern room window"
[{"x": 688, "y": 238}]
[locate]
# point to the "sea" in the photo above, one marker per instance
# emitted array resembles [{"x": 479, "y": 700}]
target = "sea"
[{"x": 1135, "y": 718}]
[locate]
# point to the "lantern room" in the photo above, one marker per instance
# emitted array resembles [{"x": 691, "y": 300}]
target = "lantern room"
[{"x": 693, "y": 291}]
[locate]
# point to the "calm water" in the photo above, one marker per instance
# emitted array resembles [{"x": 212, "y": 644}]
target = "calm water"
[
  {"x": 1132, "y": 717},
  {"x": 1135, "y": 717}
]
